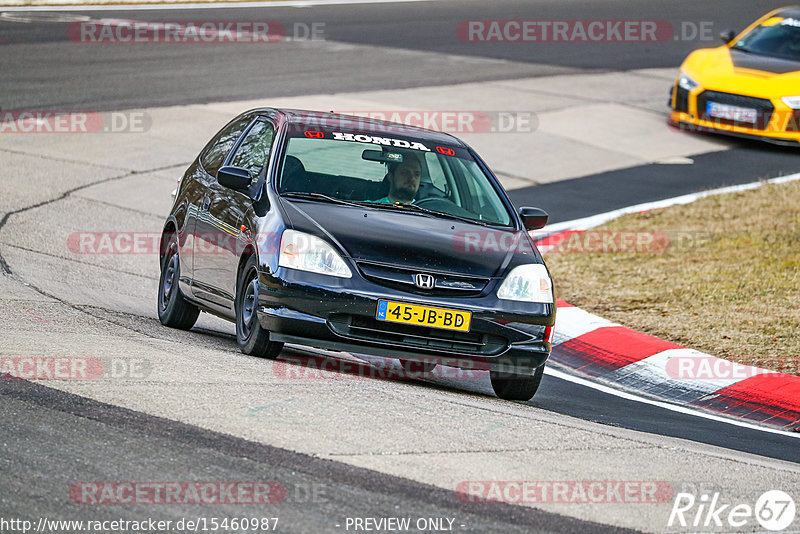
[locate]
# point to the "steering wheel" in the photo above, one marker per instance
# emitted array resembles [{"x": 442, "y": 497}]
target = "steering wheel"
[
  {"x": 444, "y": 205},
  {"x": 428, "y": 200}
]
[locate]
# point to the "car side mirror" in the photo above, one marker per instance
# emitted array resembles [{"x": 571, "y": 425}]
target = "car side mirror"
[
  {"x": 727, "y": 36},
  {"x": 533, "y": 218},
  {"x": 235, "y": 178}
]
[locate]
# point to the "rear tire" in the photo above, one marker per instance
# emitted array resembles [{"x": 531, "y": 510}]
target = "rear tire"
[
  {"x": 174, "y": 310},
  {"x": 516, "y": 387},
  {"x": 252, "y": 338}
]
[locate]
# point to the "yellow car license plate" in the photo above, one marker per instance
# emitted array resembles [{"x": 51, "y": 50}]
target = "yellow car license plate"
[{"x": 401, "y": 312}]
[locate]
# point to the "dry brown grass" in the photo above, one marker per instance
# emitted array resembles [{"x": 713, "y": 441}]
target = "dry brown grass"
[{"x": 728, "y": 283}]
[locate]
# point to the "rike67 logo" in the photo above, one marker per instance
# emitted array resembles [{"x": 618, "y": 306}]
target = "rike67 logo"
[{"x": 774, "y": 510}]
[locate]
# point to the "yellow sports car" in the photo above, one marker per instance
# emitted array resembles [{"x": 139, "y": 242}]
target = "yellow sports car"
[{"x": 749, "y": 87}]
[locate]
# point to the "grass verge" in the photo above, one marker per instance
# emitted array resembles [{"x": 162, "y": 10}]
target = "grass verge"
[{"x": 720, "y": 275}]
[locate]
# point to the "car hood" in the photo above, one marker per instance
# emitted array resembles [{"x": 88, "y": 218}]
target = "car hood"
[
  {"x": 732, "y": 71},
  {"x": 412, "y": 240}
]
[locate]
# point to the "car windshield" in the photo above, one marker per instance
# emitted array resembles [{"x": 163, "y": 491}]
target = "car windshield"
[
  {"x": 380, "y": 171},
  {"x": 776, "y": 37}
]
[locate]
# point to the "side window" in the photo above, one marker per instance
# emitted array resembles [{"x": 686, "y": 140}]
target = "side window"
[
  {"x": 253, "y": 152},
  {"x": 218, "y": 148},
  {"x": 477, "y": 194}
]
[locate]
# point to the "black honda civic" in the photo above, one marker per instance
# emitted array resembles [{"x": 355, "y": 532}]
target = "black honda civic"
[{"x": 358, "y": 235}]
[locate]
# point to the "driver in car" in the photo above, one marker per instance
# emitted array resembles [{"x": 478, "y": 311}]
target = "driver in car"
[{"x": 403, "y": 181}]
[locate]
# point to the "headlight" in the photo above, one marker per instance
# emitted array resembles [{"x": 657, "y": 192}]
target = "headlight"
[
  {"x": 792, "y": 101},
  {"x": 306, "y": 252},
  {"x": 684, "y": 82},
  {"x": 527, "y": 283}
]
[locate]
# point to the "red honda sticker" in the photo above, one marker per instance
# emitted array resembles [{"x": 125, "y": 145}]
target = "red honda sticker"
[
  {"x": 446, "y": 151},
  {"x": 314, "y": 134}
]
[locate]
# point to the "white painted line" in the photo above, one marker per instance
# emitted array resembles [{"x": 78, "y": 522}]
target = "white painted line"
[
  {"x": 601, "y": 218},
  {"x": 209, "y": 5},
  {"x": 42, "y": 17},
  {"x": 557, "y": 373},
  {"x": 654, "y": 367}
]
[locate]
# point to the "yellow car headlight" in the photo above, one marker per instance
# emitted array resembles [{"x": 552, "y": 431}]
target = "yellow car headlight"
[
  {"x": 792, "y": 101},
  {"x": 684, "y": 82}
]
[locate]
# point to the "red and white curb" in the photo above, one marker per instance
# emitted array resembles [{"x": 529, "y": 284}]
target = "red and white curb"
[{"x": 600, "y": 351}]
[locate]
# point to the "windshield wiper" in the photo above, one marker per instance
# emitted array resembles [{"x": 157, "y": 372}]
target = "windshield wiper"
[
  {"x": 770, "y": 54},
  {"x": 319, "y": 197},
  {"x": 442, "y": 214},
  {"x": 383, "y": 205},
  {"x": 750, "y": 51}
]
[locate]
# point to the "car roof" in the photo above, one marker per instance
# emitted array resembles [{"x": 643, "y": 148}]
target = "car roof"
[{"x": 330, "y": 120}]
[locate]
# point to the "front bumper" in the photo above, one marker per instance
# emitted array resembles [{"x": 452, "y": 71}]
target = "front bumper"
[
  {"x": 695, "y": 126},
  {"x": 775, "y": 122},
  {"x": 339, "y": 314}
]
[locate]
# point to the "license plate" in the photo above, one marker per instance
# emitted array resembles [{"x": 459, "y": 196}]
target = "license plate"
[
  {"x": 401, "y": 312},
  {"x": 733, "y": 113}
]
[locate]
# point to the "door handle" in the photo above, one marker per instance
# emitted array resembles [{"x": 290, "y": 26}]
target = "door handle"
[{"x": 206, "y": 202}]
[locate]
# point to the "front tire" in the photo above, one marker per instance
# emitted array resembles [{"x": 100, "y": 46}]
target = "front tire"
[
  {"x": 252, "y": 338},
  {"x": 174, "y": 310},
  {"x": 516, "y": 387}
]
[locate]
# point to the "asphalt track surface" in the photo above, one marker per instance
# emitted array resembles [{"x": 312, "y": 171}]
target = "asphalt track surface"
[
  {"x": 572, "y": 199},
  {"x": 42, "y": 70},
  {"x": 319, "y": 493}
]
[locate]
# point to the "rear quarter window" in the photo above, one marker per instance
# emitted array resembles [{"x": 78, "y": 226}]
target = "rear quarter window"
[{"x": 217, "y": 149}]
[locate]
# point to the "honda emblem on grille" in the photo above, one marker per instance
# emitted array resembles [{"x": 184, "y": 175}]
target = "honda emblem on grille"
[{"x": 425, "y": 281}]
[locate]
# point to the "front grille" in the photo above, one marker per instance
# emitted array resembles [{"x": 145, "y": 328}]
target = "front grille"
[
  {"x": 762, "y": 106},
  {"x": 425, "y": 337},
  {"x": 401, "y": 278},
  {"x": 681, "y": 99}
]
